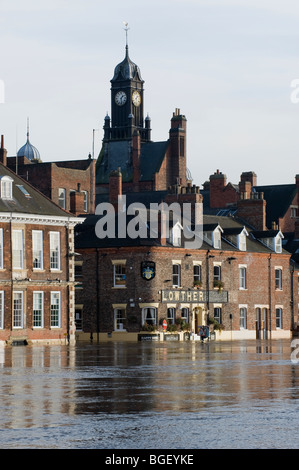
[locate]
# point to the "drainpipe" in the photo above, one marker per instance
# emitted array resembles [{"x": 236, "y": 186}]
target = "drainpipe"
[
  {"x": 270, "y": 298},
  {"x": 292, "y": 294},
  {"x": 98, "y": 295}
]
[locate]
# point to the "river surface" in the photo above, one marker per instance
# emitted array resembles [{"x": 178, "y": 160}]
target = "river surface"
[{"x": 230, "y": 395}]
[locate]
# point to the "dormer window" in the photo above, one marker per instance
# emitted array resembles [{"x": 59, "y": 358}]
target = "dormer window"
[
  {"x": 212, "y": 235},
  {"x": 271, "y": 239},
  {"x": 236, "y": 236},
  {"x": 278, "y": 243},
  {"x": 176, "y": 235},
  {"x": 6, "y": 187},
  {"x": 241, "y": 240},
  {"x": 217, "y": 239}
]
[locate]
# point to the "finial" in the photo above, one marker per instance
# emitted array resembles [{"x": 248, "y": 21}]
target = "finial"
[
  {"x": 27, "y": 129},
  {"x": 126, "y": 30}
]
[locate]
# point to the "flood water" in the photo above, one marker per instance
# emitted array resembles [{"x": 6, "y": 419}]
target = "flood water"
[{"x": 150, "y": 396}]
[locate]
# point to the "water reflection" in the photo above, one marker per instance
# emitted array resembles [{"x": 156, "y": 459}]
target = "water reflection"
[{"x": 49, "y": 387}]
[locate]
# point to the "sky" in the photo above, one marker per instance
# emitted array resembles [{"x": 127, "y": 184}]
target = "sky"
[{"x": 230, "y": 66}]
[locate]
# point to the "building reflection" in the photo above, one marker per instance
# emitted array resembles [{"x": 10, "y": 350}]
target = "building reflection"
[{"x": 41, "y": 384}]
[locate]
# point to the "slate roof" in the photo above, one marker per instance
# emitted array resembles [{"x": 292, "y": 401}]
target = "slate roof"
[
  {"x": 33, "y": 203},
  {"x": 85, "y": 236},
  {"x": 117, "y": 154}
]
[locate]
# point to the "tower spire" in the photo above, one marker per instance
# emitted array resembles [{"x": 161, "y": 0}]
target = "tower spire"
[
  {"x": 126, "y": 30},
  {"x": 27, "y": 129}
]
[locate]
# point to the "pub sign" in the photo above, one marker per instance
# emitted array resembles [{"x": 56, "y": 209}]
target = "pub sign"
[{"x": 148, "y": 270}]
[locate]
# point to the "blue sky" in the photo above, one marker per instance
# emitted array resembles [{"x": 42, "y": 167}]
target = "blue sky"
[{"x": 227, "y": 64}]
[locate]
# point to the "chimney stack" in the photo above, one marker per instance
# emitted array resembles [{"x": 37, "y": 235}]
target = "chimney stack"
[
  {"x": 115, "y": 187},
  {"x": 3, "y": 152}
]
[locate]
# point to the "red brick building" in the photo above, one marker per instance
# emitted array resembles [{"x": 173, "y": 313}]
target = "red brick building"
[
  {"x": 241, "y": 281},
  {"x": 238, "y": 282},
  {"x": 37, "y": 295},
  {"x": 70, "y": 184}
]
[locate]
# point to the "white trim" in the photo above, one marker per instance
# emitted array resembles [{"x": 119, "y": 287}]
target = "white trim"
[{"x": 39, "y": 219}]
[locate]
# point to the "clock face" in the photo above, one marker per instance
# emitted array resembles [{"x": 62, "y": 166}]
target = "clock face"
[
  {"x": 136, "y": 98},
  {"x": 120, "y": 98}
]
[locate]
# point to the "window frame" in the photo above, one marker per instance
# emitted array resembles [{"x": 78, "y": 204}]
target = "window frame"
[
  {"x": 123, "y": 317},
  {"x": 242, "y": 277},
  {"x": 278, "y": 318},
  {"x": 153, "y": 321},
  {"x": 117, "y": 282},
  {"x": 6, "y": 187},
  {"x": 55, "y": 322},
  {"x": 170, "y": 315},
  {"x": 41, "y": 310},
  {"x": 52, "y": 251},
  {"x": 243, "y": 317},
  {"x": 278, "y": 279},
  {"x": 19, "y": 250},
  {"x": 18, "y": 325},
  {"x": 176, "y": 276},
  {"x": 218, "y": 316},
  {"x": 62, "y": 197},
  {"x": 40, "y": 250}
]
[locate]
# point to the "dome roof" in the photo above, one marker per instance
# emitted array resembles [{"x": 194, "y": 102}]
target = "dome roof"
[
  {"x": 126, "y": 69},
  {"x": 29, "y": 151}
]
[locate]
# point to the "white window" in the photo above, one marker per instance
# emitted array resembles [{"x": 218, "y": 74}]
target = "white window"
[
  {"x": 185, "y": 314},
  {"x": 6, "y": 187},
  {"x": 38, "y": 309},
  {"x": 278, "y": 312},
  {"x": 37, "y": 249},
  {"x": 1, "y": 249},
  {"x": 243, "y": 318},
  {"x": 54, "y": 250},
  {"x": 18, "y": 310},
  {"x": 242, "y": 241},
  {"x": 120, "y": 320},
  {"x": 176, "y": 275},
  {"x": 85, "y": 200},
  {"x": 242, "y": 277},
  {"x": 278, "y": 244},
  {"x": 1, "y": 310},
  {"x": 171, "y": 315},
  {"x": 217, "y": 239},
  {"x": 217, "y": 314},
  {"x": 55, "y": 310},
  {"x": 278, "y": 278},
  {"x": 119, "y": 275},
  {"x": 196, "y": 274},
  {"x": 217, "y": 272},
  {"x": 61, "y": 197},
  {"x": 149, "y": 315},
  {"x": 17, "y": 249},
  {"x": 175, "y": 235}
]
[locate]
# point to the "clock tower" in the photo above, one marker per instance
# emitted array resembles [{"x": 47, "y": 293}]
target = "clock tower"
[{"x": 127, "y": 108}]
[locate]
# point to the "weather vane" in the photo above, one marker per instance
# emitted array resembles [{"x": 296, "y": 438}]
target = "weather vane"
[{"x": 126, "y": 30}]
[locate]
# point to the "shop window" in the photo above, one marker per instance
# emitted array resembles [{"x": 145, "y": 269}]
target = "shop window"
[
  {"x": 149, "y": 316},
  {"x": 171, "y": 315},
  {"x": 120, "y": 319}
]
